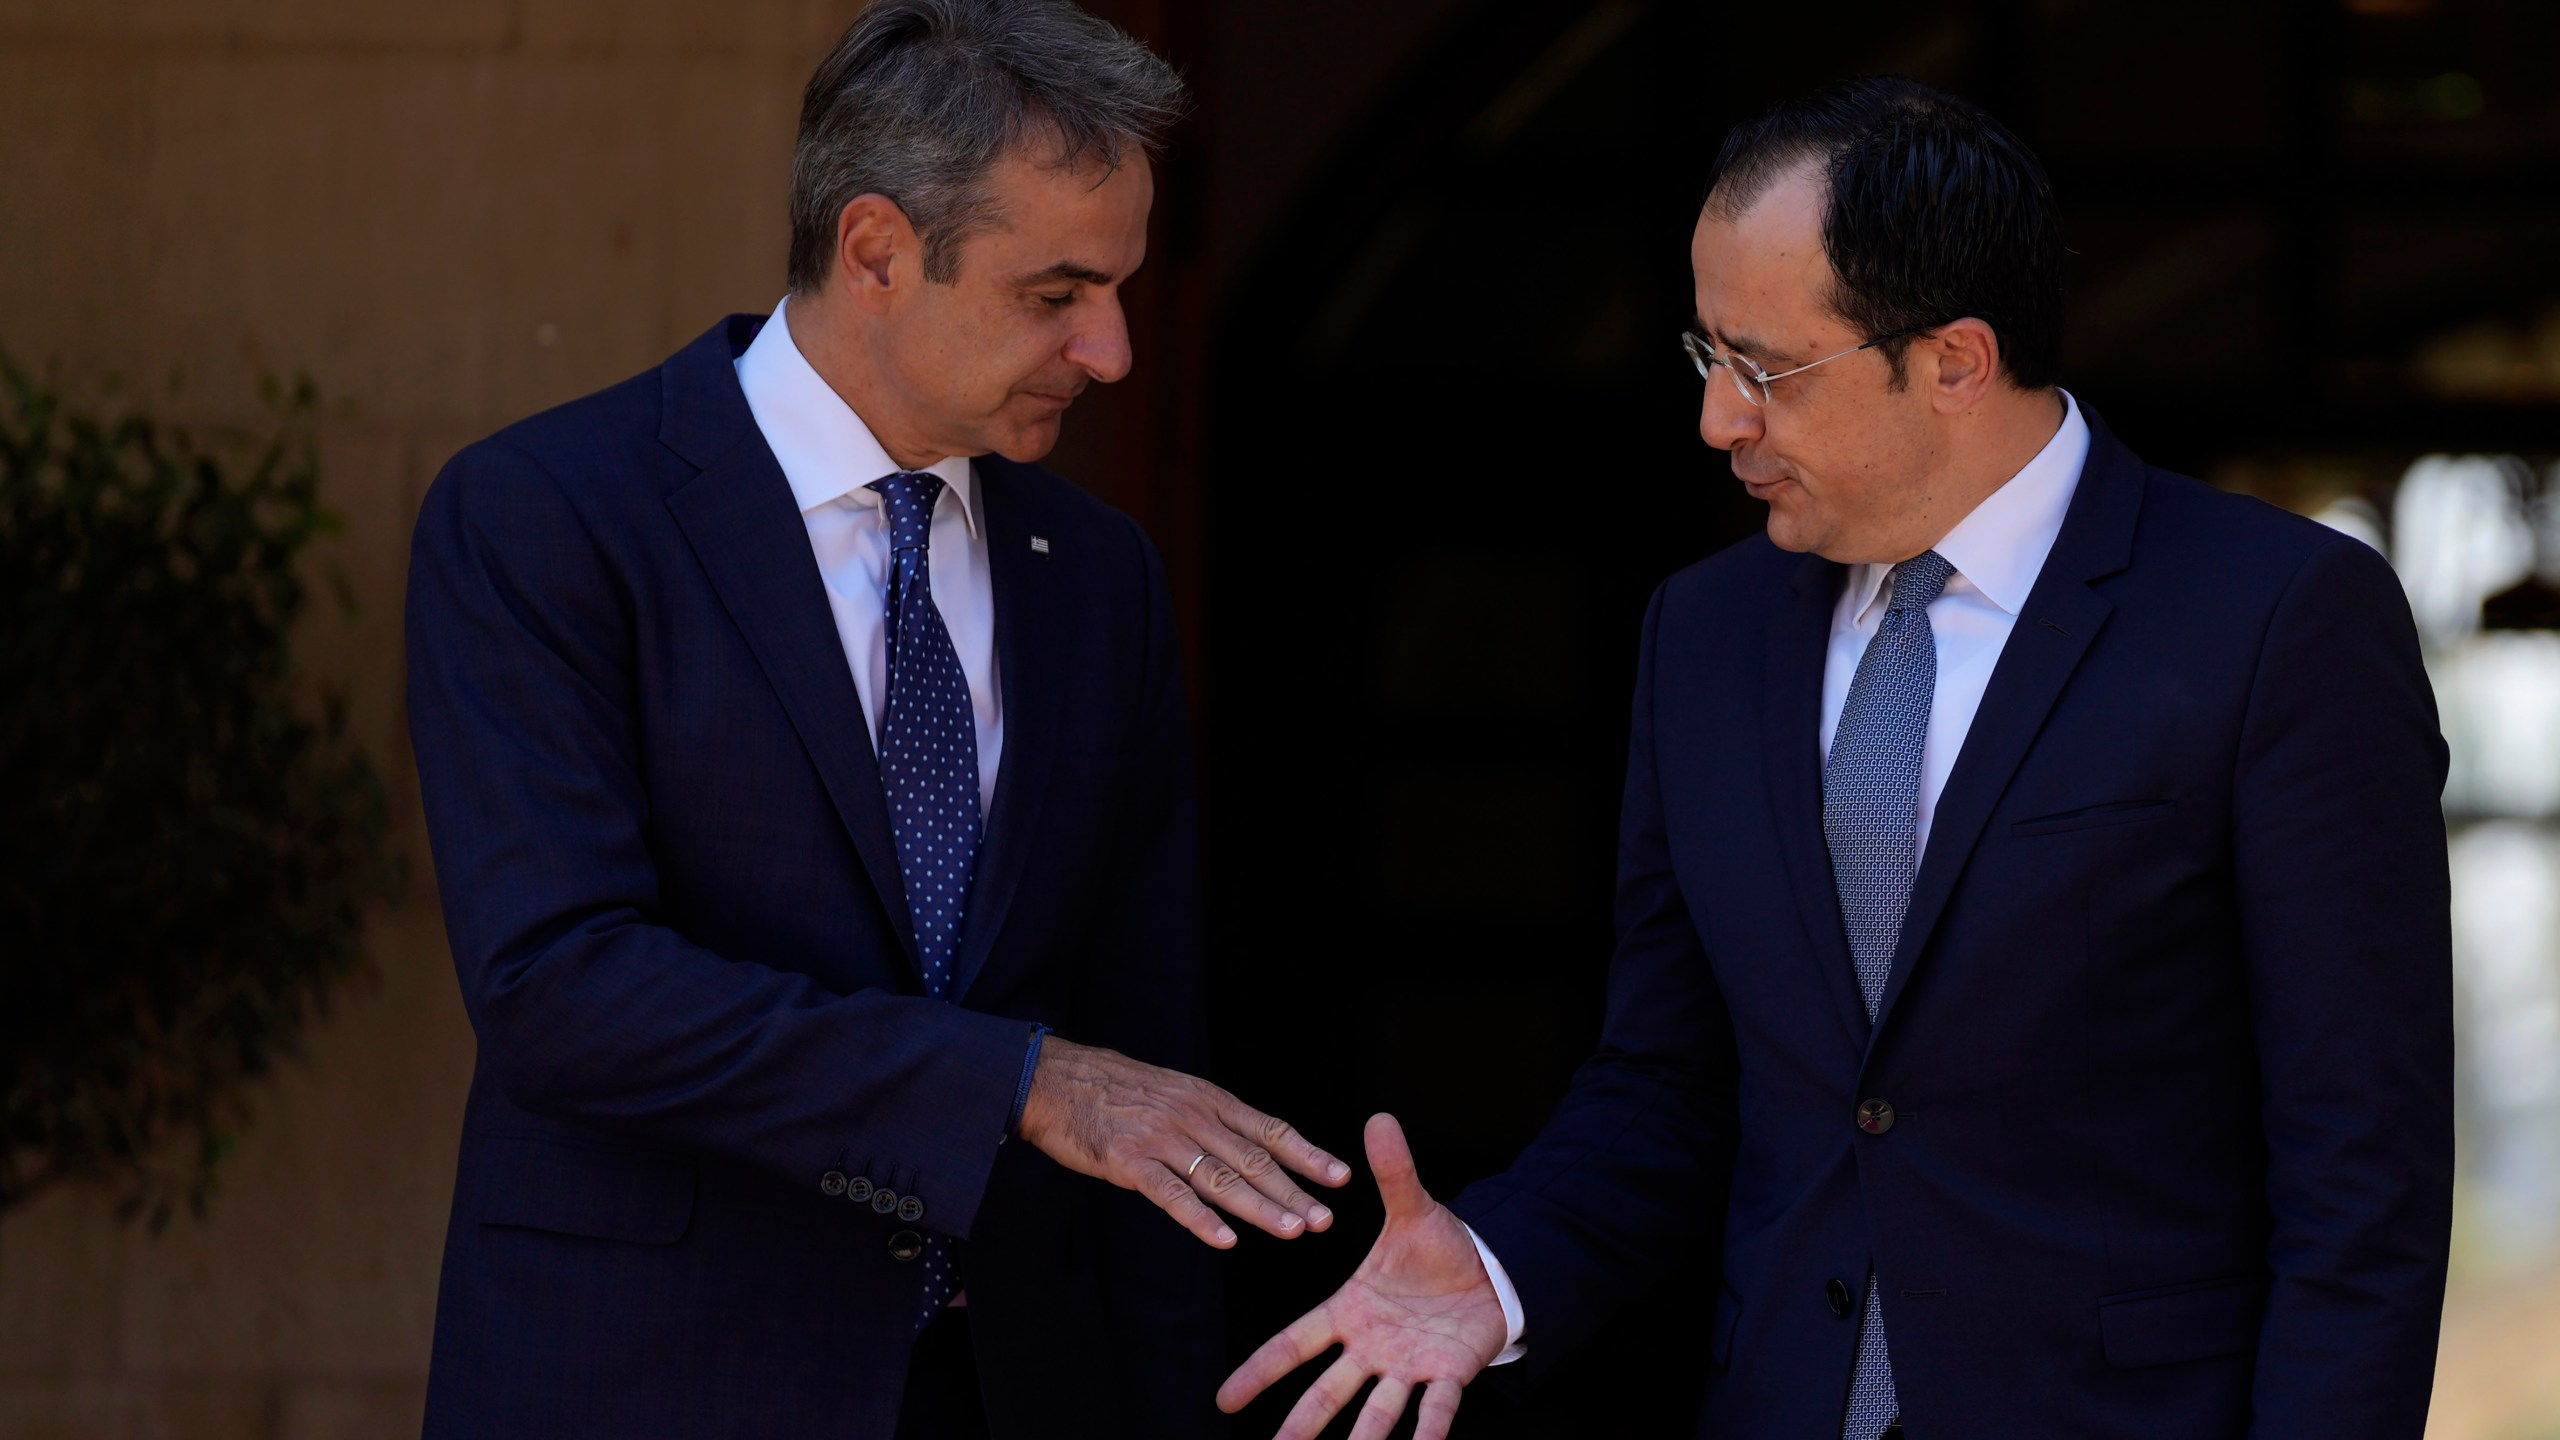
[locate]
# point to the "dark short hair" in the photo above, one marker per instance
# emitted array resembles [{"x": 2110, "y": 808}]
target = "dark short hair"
[
  {"x": 921, "y": 98},
  {"x": 1936, "y": 213}
]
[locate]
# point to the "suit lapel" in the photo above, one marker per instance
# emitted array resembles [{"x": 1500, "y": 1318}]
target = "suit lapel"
[
  {"x": 740, "y": 518},
  {"x": 2061, "y": 619},
  {"x": 1026, "y": 593},
  {"x": 1791, "y": 750}
]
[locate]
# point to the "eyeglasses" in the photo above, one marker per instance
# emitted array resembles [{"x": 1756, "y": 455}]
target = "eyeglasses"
[{"x": 1747, "y": 375}]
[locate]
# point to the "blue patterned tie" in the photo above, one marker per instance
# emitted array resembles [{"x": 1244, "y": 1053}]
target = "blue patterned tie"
[
  {"x": 929, "y": 769},
  {"x": 1871, "y": 820}
]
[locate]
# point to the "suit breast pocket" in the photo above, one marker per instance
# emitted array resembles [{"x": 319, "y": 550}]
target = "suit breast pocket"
[
  {"x": 537, "y": 1183},
  {"x": 2092, "y": 817}
]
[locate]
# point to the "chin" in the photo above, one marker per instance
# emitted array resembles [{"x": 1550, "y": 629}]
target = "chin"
[
  {"x": 1790, "y": 531},
  {"x": 1028, "y": 445}
]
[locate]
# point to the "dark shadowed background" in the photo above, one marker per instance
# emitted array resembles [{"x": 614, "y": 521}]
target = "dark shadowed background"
[{"x": 1411, "y": 429}]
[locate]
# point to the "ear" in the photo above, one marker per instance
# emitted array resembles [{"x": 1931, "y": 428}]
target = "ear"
[
  {"x": 877, "y": 252},
  {"x": 1957, "y": 365}
]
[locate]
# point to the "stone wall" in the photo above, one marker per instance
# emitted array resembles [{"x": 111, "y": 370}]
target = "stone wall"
[{"x": 451, "y": 215}]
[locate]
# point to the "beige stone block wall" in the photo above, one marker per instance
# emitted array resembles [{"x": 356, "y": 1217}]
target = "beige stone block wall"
[{"x": 451, "y": 215}]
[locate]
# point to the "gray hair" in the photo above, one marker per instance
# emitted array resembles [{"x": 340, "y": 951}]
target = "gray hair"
[{"x": 922, "y": 97}]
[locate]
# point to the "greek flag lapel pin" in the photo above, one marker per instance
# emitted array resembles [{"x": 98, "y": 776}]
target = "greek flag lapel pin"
[{"x": 1039, "y": 544}]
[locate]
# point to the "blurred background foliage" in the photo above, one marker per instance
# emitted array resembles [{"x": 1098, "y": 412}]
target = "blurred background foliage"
[{"x": 187, "y": 847}]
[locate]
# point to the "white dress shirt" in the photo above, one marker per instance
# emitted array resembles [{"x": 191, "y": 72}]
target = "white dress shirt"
[
  {"x": 1997, "y": 552},
  {"x": 831, "y": 458}
]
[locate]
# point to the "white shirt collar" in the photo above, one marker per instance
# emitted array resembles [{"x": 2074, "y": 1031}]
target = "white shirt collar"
[
  {"x": 2001, "y": 547},
  {"x": 824, "y": 448}
]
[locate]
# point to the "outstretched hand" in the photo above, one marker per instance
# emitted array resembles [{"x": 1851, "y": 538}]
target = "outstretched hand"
[
  {"x": 1420, "y": 1311},
  {"x": 1180, "y": 1141}
]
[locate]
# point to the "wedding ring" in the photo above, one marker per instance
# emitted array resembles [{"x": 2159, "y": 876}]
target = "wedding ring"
[{"x": 1195, "y": 1164}]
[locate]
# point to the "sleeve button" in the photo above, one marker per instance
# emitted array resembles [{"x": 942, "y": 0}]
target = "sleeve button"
[
  {"x": 831, "y": 1183},
  {"x": 858, "y": 1189},
  {"x": 911, "y": 1209},
  {"x": 884, "y": 1200}
]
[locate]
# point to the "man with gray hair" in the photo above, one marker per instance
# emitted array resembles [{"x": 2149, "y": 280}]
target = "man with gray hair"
[{"x": 798, "y": 756}]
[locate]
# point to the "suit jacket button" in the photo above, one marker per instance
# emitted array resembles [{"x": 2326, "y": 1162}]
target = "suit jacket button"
[
  {"x": 832, "y": 1182},
  {"x": 884, "y": 1200},
  {"x": 1875, "y": 1116},
  {"x": 911, "y": 1209},
  {"x": 858, "y": 1189},
  {"x": 905, "y": 1245},
  {"x": 1837, "y": 1292}
]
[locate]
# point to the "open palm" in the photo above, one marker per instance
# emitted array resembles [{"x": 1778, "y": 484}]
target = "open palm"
[{"x": 1420, "y": 1311}]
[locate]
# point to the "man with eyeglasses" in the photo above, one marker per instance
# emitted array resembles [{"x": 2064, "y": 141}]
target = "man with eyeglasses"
[{"x": 2033, "y": 971}]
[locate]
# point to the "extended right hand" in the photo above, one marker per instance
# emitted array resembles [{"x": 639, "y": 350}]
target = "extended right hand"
[
  {"x": 1419, "y": 1311},
  {"x": 1181, "y": 1142}
]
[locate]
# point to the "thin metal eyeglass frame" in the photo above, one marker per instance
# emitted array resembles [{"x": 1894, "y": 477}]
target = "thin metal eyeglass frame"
[{"x": 1703, "y": 354}]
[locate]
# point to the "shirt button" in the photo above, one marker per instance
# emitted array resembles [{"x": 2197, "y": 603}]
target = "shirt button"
[
  {"x": 1837, "y": 1292},
  {"x": 1875, "y": 1116},
  {"x": 832, "y": 1183}
]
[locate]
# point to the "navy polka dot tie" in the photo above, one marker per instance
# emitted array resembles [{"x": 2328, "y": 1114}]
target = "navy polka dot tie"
[
  {"x": 1871, "y": 821},
  {"x": 929, "y": 770}
]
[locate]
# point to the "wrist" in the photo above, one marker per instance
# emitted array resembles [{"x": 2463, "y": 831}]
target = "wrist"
[
  {"x": 1022, "y": 1091},
  {"x": 1043, "y": 1099}
]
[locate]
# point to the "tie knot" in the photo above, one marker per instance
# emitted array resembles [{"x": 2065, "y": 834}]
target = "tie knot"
[
  {"x": 908, "y": 497},
  {"x": 1920, "y": 580}
]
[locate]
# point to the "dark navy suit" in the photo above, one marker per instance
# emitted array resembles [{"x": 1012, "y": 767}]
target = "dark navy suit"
[
  {"x": 672, "y": 891},
  {"x": 2167, "y": 1037}
]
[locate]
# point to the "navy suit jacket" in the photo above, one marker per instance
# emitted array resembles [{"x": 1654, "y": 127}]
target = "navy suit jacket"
[
  {"x": 673, "y": 899},
  {"x": 2168, "y": 1036}
]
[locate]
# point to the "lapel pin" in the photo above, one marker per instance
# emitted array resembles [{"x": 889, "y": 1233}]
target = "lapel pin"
[{"x": 1039, "y": 544}]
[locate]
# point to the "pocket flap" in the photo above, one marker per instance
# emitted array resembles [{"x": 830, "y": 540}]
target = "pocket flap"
[
  {"x": 2182, "y": 1322},
  {"x": 2090, "y": 817},
  {"x": 573, "y": 1189}
]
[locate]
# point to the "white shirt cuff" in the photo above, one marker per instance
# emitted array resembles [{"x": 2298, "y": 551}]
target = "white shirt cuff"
[{"x": 1503, "y": 1291}]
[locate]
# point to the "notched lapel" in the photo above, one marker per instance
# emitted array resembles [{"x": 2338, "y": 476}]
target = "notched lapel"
[
  {"x": 1023, "y": 571},
  {"x": 2060, "y": 621},
  {"x": 1791, "y": 756},
  {"x": 739, "y": 516}
]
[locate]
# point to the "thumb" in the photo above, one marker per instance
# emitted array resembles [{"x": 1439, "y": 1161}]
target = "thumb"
[{"x": 1391, "y": 1160}]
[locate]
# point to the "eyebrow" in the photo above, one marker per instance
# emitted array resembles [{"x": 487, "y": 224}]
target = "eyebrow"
[
  {"x": 1065, "y": 270},
  {"x": 1750, "y": 345}
]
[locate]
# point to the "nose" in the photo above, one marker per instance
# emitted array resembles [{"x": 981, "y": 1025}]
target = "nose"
[
  {"x": 1101, "y": 345},
  {"x": 1725, "y": 419}
]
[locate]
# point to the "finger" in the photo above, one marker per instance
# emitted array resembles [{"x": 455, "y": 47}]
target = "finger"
[
  {"x": 1323, "y": 1400},
  {"x": 1220, "y": 1184},
  {"x": 1391, "y": 1160},
  {"x": 1159, "y": 1183},
  {"x": 1385, "y": 1407},
  {"x": 1284, "y": 1142},
  {"x": 1306, "y": 1338},
  {"x": 1248, "y": 1164},
  {"x": 1439, "y": 1410}
]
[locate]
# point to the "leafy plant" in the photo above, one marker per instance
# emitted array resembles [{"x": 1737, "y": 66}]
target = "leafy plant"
[{"x": 186, "y": 851}]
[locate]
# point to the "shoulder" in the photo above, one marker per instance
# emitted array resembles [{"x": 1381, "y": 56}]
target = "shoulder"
[
  {"x": 582, "y": 457},
  {"x": 1750, "y": 576},
  {"x": 2238, "y": 546}
]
